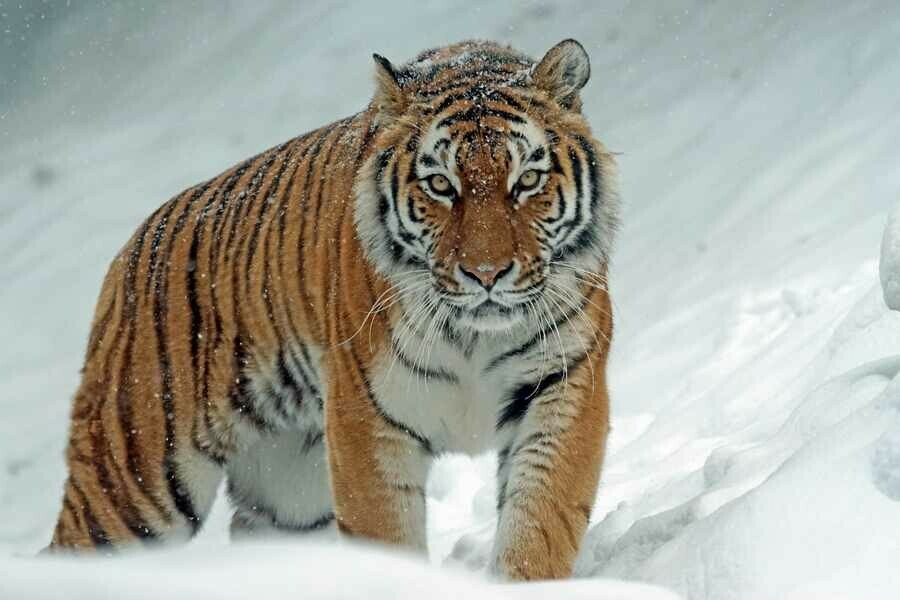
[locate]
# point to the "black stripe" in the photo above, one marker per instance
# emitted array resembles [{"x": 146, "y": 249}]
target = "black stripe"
[
  {"x": 286, "y": 196},
  {"x": 242, "y": 402},
  {"x": 123, "y": 397},
  {"x": 266, "y": 196},
  {"x": 304, "y": 300},
  {"x": 179, "y": 495},
  {"x": 384, "y": 206},
  {"x": 319, "y": 523},
  {"x": 475, "y": 113},
  {"x": 561, "y": 205},
  {"x": 196, "y": 318},
  {"x": 98, "y": 330},
  {"x": 191, "y": 291},
  {"x": 566, "y": 226},
  {"x": 314, "y": 437},
  {"x": 253, "y": 242},
  {"x": 98, "y": 535},
  {"x": 520, "y": 398},
  {"x": 125, "y": 508},
  {"x": 240, "y": 394},
  {"x": 381, "y": 162},
  {"x": 545, "y": 439},
  {"x": 395, "y": 181},
  {"x": 577, "y": 167},
  {"x": 407, "y": 239},
  {"x": 533, "y": 341},
  {"x": 250, "y": 503},
  {"x": 156, "y": 240},
  {"x": 588, "y": 236},
  {"x": 502, "y": 478},
  {"x": 555, "y": 165},
  {"x": 68, "y": 506},
  {"x": 428, "y": 161},
  {"x": 213, "y": 331},
  {"x": 421, "y": 439},
  {"x": 102, "y": 452},
  {"x": 245, "y": 200},
  {"x": 423, "y": 372},
  {"x": 277, "y": 398},
  {"x": 341, "y": 129},
  {"x": 305, "y": 370},
  {"x": 223, "y": 211},
  {"x": 288, "y": 382},
  {"x": 412, "y": 144}
]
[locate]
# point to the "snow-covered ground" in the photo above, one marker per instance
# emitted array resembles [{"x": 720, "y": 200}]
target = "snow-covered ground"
[{"x": 756, "y": 448}]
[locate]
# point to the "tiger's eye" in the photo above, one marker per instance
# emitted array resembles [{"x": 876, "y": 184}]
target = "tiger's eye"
[
  {"x": 440, "y": 184},
  {"x": 529, "y": 179}
]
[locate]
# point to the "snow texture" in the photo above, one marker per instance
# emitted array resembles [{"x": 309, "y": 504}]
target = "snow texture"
[
  {"x": 275, "y": 572},
  {"x": 889, "y": 266},
  {"x": 756, "y": 417}
]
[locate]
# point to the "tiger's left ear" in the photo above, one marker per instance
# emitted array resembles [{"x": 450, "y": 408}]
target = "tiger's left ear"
[
  {"x": 390, "y": 99},
  {"x": 562, "y": 72}
]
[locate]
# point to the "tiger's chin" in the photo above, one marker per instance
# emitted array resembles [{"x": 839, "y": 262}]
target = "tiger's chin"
[{"x": 491, "y": 317}]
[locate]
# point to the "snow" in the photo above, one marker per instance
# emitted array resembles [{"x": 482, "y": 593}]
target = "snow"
[
  {"x": 889, "y": 265},
  {"x": 274, "y": 572},
  {"x": 756, "y": 443}
]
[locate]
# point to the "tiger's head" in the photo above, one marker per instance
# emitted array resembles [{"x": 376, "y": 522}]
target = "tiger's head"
[{"x": 486, "y": 200}]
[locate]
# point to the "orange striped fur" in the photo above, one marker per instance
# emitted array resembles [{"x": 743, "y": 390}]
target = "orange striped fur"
[{"x": 283, "y": 316}]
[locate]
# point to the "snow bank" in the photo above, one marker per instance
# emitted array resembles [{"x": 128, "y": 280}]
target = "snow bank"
[
  {"x": 274, "y": 572},
  {"x": 889, "y": 266}
]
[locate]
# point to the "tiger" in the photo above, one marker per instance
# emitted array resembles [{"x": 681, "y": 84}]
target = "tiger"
[{"x": 318, "y": 324}]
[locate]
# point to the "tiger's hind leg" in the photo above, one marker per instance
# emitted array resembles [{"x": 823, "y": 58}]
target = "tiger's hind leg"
[
  {"x": 116, "y": 496},
  {"x": 279, "y": 485}
]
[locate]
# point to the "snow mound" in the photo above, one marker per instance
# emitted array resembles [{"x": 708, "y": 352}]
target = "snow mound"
[
  {"x": 889, "y": 266},
  {"x": 814, "y": 502},
  {"x": 273, "y": 572}
]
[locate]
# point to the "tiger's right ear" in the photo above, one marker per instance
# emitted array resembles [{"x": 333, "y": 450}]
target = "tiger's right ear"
[
  {"x": 390, "y": 100},
  {"x": 563, "y": 72}
]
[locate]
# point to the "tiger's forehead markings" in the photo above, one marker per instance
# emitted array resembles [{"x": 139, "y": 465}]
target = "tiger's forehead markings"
[
  {"x": 508, "y": 146},
  {"x": 478, "y": 101}
]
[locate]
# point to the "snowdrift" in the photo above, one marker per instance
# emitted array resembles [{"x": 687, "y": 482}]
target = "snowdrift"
[{"x": 275, "y": 572}]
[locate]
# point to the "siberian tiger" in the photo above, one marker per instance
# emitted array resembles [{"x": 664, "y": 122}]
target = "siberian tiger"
[{"x": 320, "y": 322}]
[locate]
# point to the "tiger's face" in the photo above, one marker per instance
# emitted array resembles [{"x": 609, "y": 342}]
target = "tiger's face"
[{"x": 487, "y": 203}]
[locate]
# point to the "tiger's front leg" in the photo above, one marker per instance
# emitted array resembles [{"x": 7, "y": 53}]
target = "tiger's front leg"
[
  {"x": 549, "y": 476},
  {"x": 378, "y": 466}
]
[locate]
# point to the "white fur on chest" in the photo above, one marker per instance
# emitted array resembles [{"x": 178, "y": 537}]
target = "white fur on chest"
[{"x": 458, "y": 415}]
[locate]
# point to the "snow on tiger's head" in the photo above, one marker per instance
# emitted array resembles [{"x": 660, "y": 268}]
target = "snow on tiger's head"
[{"x": 486, "y": 193}]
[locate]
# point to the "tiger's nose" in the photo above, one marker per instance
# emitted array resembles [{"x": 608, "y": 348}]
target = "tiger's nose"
[{"x": 486, "y": 274}]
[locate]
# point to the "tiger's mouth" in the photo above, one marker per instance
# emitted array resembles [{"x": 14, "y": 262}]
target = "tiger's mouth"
[
  {"x": 491, "y": 308},
  {"x": 489, "y": 315}
]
